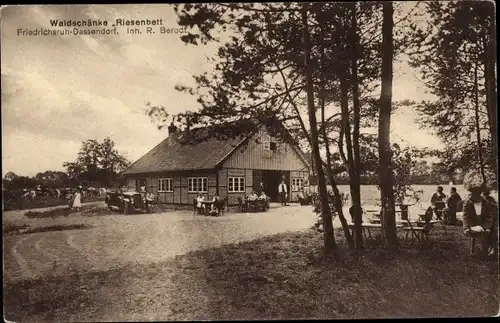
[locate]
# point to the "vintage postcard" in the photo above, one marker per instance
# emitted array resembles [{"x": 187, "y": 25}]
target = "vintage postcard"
[{"x": 249, "y": 161}]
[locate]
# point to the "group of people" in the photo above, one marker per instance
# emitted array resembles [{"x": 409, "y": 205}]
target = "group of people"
[
  {"x": 439, "y": 201},
  {"x": 255, "y": 197},
  {"x": 216, "y": 205},
  {"x": 480, "y": 213}
]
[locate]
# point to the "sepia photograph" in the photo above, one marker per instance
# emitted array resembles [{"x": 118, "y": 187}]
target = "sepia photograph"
[{"x": 249, "y": 161}]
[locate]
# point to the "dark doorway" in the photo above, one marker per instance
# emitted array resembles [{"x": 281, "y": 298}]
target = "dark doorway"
[
  {"x": 271, "y": 180},
  {"x": 257, "y": 180}
]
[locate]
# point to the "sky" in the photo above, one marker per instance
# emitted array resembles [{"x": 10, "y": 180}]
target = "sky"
[{"x": 60, "y": 90}]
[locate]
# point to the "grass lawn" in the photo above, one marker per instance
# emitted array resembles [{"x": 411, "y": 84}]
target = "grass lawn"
[
  {"x": 279, "y": 277},
  {"x": 85, "y": 210},
  {"x": 45, "y": 201}
]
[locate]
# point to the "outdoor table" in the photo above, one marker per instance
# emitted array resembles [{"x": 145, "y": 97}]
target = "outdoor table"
[
  {"x": 432, "y": 222},
  {"x": 208, "y": 206}
]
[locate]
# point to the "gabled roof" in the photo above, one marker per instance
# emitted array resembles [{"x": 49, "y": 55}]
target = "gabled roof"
[
  {"x": 196, "y": 149},
  {"x": 200, "y": 151}
]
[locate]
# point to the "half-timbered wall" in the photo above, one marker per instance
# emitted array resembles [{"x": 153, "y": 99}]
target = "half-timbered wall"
[{"x": 180, "y": 194}]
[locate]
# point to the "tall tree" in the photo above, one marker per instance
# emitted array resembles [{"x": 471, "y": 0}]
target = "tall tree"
[
  {"x": 329, "y": 240},
  {"x": 453, "y": 51},
  {"x": 10, "y": 176},
  {"x": 385, "y": 108},
  {"x": 97, "y": 162},
  {"x": 356, "y": 176},
  {"x": 55, "y": 179}
]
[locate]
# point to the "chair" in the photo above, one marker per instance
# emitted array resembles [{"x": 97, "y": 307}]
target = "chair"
[
  {"x": 473, "y": 236},
  {"x": 472, "y": 244},
  {"x": 241, "y": 205},
  {"x": 420, "y": 233},
  {"x": 261, "y": 205},
  {"x": 219, "y": 206},
  {"x": 438, "y": 209}
]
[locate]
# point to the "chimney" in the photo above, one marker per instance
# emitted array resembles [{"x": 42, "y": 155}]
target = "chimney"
[{"x": 172, "y": 134}]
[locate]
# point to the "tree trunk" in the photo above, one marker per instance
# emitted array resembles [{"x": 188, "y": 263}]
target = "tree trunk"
[
  {"x": 490, "y": 78},
  {"x": 338, "y": 205},
  {"x": 355, "y": 181},
  {"x": 328, "y": 237},
  {"x": 478, "y": 125},
  {"x": 346, "y": 127},
  {"x": 384, "y": 144},
  {"x": 331, "y": 178}
]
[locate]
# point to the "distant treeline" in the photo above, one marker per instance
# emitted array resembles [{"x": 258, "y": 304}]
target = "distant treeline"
[{"x": 57, "y": 179}]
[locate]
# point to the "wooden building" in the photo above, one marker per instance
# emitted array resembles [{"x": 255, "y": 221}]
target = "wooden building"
[{"x": 178, "y": 169}]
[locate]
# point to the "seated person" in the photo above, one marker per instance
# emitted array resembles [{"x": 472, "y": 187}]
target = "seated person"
[
  {"x": 215, "y": 206},
  {"x": 263, "y": 196},
  {"x": 438, "y": 200},
  {"x": 253, "y": 196},
  {"x": 479, "y": 219}
]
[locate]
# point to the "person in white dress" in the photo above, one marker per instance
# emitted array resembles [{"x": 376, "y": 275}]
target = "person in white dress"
[
  {"x": 77, "y": 202},
  {"x": 199, "y": 205}
]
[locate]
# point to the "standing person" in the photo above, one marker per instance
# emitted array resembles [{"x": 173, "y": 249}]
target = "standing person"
[
  {"x": 282, "y": 190},
  {"x": 453, "y": 204},
  {"x": 260, "y": 189},
  {"x": 199, "y": 203},
  {"x": 438, "y": 202},
  {"x": 77, "y": 201}
]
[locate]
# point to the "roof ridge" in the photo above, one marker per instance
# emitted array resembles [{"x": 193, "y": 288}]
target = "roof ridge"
[{"x": 123, "y": 171}]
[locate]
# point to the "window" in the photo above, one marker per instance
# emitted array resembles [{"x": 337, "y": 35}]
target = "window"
[
  {"x": 197, "y": 184},
  {"x": 236, "y": 184},
  {"x": 267, "y": 142},
  {"x": 165, "y": 185},
  {"x": 297, "y": 184}
]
